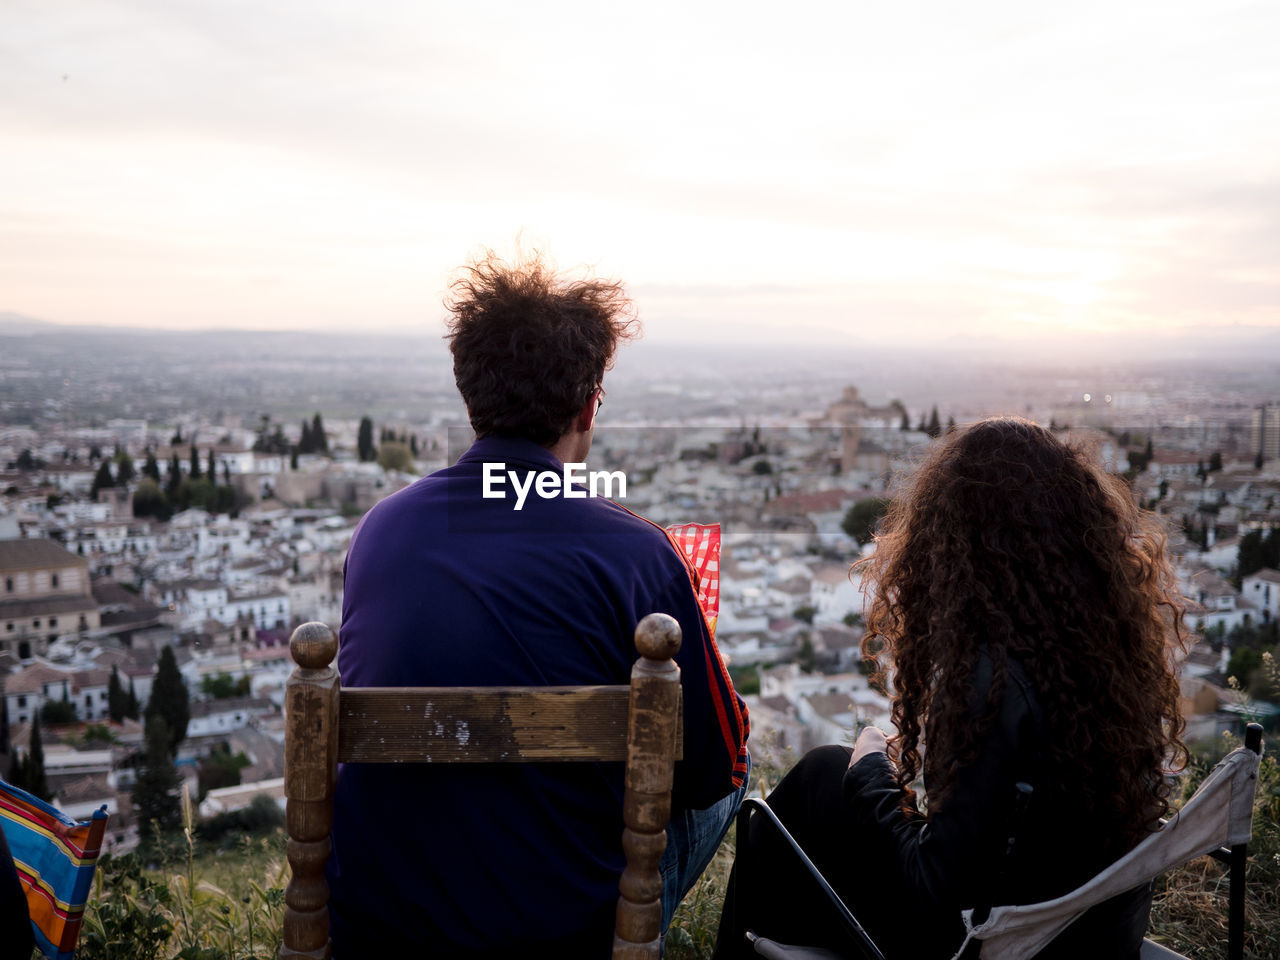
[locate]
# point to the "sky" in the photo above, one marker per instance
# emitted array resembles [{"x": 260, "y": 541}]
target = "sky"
[{"x": 815, "y": 173}]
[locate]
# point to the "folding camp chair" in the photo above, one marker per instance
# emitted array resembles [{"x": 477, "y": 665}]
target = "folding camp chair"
[
  {"x": 636, "y": 725},
  {"x": 1217, "y": 820},
  {"x": 55, "y": 857}
]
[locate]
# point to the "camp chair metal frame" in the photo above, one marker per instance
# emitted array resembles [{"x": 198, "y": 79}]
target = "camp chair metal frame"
[
  {"x": 637, "y": 725},
  {"x": 1235, "y": 857},
  {"x": 754, "y": 806}
]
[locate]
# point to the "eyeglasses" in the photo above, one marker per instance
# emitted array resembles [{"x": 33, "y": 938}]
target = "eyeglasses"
[{"x": 599, "y": 398}]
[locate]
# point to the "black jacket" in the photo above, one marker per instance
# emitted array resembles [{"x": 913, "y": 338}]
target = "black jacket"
[{"x": 955, "y": 858}]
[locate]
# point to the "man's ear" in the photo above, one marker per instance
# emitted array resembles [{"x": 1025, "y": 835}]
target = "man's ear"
[{"x": 586, "y": 416}]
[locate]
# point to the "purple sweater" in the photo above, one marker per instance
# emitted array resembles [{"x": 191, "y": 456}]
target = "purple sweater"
[{"x": 447, "y": 588}]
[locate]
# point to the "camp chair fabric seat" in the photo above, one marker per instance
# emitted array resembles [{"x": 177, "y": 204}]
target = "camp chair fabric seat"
[
  {"x": 55, "y": 857},
  {"x": 1219, "y": 814}
]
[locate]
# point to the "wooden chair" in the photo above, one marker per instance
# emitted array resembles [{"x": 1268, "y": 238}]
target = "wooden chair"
[{"x": 327, "y": 724}]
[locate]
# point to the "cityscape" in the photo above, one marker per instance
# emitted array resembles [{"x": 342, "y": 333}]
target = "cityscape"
[{"x": 184, "y": 500}]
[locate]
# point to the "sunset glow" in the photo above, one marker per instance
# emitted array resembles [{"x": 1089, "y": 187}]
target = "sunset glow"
[{"x": 831, "y": 171}]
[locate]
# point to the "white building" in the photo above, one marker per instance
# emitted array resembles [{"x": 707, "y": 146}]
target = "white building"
[
  {"x": 213, "y": 717},
  {"x": 27, "y": 690},
  {"x": 1262, "y": 589}
]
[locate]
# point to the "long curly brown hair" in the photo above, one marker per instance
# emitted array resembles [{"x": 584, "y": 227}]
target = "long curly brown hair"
[{"x": 1012, "y": 541}]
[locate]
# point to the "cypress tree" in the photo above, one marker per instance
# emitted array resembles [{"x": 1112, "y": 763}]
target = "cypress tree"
[
  {"x": 195, "y": 463},
  {"x": 319, "y": 442},
  {"x": 365, "y": 449},
  {"x": 17, "y": 775},
  {"x": 102, "y": 480},
  {"x": 155, "y": 797},
  {"x": 935, "y": 426},
  {"x": 212, "y": 471},
  {"x": 124, "y": 468},
  {"x": 304, "y": 439},
  {"x": 117, "y": 699},
  {"x": 174, "y": 478},
  {"x": 150, "y": 468},
  {"x": 169, "y": 699},
  {"x": 33, "y": 768},
  {"x": 131, "y": 706}
]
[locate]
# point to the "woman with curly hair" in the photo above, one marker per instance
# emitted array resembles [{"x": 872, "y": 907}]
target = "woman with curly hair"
[{"x": 1027, "y": 619}]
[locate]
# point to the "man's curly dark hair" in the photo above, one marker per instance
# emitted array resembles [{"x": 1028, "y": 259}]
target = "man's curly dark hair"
[
  {"x": 1011, "y": 540},
  {"x": 530, "y": 347}
]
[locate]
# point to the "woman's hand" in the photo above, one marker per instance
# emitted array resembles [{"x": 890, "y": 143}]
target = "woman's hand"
[{"x": 870, "y": 740}]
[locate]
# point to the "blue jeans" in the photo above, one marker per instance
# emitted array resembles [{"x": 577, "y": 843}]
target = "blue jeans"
[{"x": 693, "y": 836}]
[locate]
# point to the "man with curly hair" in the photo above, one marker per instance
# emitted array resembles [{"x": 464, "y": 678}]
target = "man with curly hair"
[{"x": 447, "y": 584}]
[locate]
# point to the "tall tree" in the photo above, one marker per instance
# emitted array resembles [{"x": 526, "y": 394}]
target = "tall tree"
[
  {"x": 117, "y": 699},
  {"x": 133, "y": 708},
  {"x": 102, "y": 480},
  {"x": 318, "y": 439},
  {"x": 150, "y": 468},
  {"x": 33, "y": 766},
  {"x": 196, "y": 473},
  {"x": 124, "y": 468},
  {"x": 212, "y": 470},
  {"x": 304, "y": 439},
  {"x": 17, "y": 775},
  {"x": 365, "y": 449},
  {"x": 174, "y": 477},
  {"x": 861, "y": 519},
  {"x": 155, "y": 796},
  {"x": 169, "y": 699},
  {"x": 934, "y": 429},
  {"x": 150, "y": 501}
]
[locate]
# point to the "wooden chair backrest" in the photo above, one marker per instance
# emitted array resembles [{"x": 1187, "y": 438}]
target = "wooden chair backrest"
[{"x": 327, "y": 724}]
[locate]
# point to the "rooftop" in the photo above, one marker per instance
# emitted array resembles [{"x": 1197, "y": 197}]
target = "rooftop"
[{"x": 32, "y": 554}]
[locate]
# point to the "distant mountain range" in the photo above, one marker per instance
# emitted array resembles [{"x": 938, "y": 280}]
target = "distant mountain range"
[{"x": 1251, "y": 347}]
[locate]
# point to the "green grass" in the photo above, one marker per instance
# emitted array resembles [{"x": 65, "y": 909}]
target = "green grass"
[{"x": 195, "y": 903}]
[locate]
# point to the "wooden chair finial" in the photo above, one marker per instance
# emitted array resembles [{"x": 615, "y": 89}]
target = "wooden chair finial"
[
  {"x": 658, "y": 637},
  {"x": 313, "y": 646}
]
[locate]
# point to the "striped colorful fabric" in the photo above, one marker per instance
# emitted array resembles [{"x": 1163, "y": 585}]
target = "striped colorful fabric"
[
  {"x": 55, "y": 857},
  {"x": 700, "y": 544}
]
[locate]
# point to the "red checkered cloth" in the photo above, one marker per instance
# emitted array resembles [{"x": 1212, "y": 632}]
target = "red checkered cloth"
[{"x": 700, "y": 545}]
